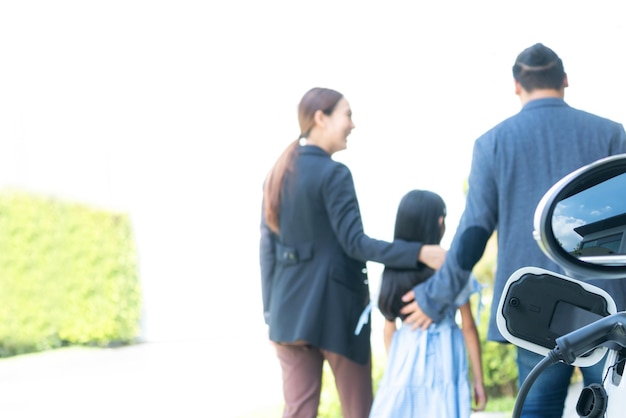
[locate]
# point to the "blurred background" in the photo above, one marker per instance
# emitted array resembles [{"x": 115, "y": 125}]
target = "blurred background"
[{"x": 173, "y": 111}]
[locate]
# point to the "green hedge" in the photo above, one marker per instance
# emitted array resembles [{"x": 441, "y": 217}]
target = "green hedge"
[
  {"x": 499, "y": 359},
  {"x": 68, "y": 275}
]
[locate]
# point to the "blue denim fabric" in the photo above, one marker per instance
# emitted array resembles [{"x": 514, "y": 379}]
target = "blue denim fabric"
[
  {"x": 546, "y": 398},
  {"x": 506, "y": 182}
]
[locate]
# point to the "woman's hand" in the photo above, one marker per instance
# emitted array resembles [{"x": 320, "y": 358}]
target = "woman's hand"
[{"x": 432, "y": 255}]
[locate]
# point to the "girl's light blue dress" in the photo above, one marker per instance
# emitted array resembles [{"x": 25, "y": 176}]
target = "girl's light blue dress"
[{"x": 427, "y": 371}]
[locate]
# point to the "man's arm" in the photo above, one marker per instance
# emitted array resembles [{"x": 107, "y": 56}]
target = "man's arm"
[
  {"x": 431, "y": 299},
  {"x": 415, "y": 316}
]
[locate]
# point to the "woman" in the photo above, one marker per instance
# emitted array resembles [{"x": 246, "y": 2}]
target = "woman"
[
  {"x": 427, "y": 370},
  {"x": 313, "y": 252}
]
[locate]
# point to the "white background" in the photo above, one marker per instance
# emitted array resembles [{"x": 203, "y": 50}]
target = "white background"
[{"x": 173, "y": 111}]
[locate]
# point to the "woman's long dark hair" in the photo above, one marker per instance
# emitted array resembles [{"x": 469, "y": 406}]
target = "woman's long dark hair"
[
  {"x": 417, "y": 220},
  {"x": 315, "y": 99}
]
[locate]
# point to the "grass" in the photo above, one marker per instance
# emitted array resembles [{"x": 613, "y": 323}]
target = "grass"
[{"x": 505, "y": 404}]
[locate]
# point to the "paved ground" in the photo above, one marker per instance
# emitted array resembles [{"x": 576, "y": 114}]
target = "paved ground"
[
  {"x": 193, "y": 378},
  {"x": 169, "y": 379}
]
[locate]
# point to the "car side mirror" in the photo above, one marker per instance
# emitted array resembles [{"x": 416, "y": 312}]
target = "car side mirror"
[
  {"x": 580, "y": 224},
  {"x": 581, "y": 221}
]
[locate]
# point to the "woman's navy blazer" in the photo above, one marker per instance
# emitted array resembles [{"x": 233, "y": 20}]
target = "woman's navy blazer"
[{"x": 313, "y": 275}]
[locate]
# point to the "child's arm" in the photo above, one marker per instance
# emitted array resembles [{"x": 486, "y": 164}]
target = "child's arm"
[
  {"x": 472, "y": 342},
  {"x": 388, "y": 330}
]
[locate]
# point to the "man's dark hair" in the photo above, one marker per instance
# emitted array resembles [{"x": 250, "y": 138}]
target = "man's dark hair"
[{"x": 539, "y": 67}]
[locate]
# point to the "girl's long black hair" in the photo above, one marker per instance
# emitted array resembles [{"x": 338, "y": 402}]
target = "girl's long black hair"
[{"x": 417, "y": 220}]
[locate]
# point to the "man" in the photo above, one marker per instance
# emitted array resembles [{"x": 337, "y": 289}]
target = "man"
[{"x": 513, "y": 166}]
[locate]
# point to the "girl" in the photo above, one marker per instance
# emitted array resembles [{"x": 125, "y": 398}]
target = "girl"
[{"x": 427, "y": 371}]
